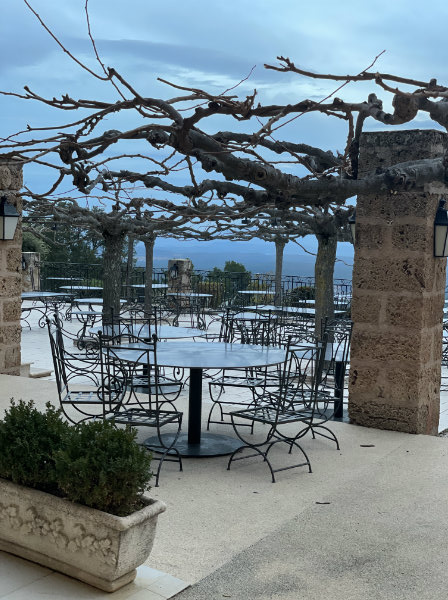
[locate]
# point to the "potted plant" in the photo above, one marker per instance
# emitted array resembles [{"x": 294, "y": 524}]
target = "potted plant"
[{"x": 72, "y": 497}]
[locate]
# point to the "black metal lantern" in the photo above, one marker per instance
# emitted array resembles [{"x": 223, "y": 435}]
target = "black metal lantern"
[
  {"x": 352, "y": 223},
  {"x": 441, "y": 230},
  {"x": 9, "y": 217},
  {"x": 174, "y": 271}
]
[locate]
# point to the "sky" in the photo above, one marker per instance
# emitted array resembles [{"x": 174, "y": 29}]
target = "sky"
[{"x": 214, "y": 45}]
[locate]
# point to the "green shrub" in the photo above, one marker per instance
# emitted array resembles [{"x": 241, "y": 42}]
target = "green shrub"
[
  {"x": 28, "y": 440},
  {"x": 103, "y": 467},
  {"x": 92, "y": 463},
  {"x": 304, "y": 292}
]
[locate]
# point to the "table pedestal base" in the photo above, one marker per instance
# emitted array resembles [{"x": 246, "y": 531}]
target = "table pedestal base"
[{"x": 211, "y": 444}]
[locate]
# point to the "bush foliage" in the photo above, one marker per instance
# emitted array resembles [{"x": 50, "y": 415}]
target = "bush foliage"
[
  {"x": 103, "y": 467},
  {"x": 28, "y": 441},
  {"x": 92, "y": 463}
]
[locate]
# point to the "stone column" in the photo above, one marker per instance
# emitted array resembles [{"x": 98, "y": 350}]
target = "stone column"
[
  {"x": 183, "y": 268},
  {"x": 30, "y": 271},
  {"x": 11, "y": 273},
  {"x": 398, "y": 294}
]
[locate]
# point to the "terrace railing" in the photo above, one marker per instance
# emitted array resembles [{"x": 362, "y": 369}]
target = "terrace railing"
[{"x": 225, "y": 288}]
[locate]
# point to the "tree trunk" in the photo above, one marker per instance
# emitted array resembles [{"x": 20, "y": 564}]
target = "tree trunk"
[
  {"x": 279, "y": 249},
  {"x": 149, "y": 265},
  {"x": 323, "y": 274},
  {"x": 129, "y": 265},
  {"x": 113, "y": 245}
]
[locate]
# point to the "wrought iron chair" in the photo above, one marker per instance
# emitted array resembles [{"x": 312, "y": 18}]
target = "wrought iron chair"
[
  {"x": 237, "y": 329},
  {"x": 141, "y": 406},
  {"x": 77, "y": 378},
  {"x": 329, "y": 399},
  {"x": 285, "y": 416}
]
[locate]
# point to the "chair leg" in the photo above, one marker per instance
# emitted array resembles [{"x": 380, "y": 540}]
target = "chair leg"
[
  {"x": 209, "y": 420},
  {"x": 258, "y": 453},
  {"x": 161, "y": 460},
  {"x": 331, "y": 437}
]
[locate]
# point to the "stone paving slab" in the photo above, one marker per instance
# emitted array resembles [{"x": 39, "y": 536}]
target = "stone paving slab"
[
  {"x": 381, "y": 535},
  {"x": 214, "y": 514},
  {"x": 24, "y": 580}
]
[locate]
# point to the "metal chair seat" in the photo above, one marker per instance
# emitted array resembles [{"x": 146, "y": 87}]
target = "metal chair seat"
[
  {"x": 238, "y": 381},
  {"x": 290, "y": 404},
  {"x": 145, "y": 418},
  {"x": 141, "y": 384},
  {"x": 269, "y": 415},
  {"x": 81, "y": 397}
]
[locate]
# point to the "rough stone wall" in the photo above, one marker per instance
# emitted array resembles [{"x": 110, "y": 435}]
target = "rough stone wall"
[
  {"x": 11, "y": 274},
  {"x": 398, "y": 295}
]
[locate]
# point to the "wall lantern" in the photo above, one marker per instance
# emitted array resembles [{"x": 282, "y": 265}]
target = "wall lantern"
[
  {"x": 9, "y": 217},
  {"x": 352, "y": 223},
  {"x": 441, "y": 230},
  {"x": 174, "y": 271}
]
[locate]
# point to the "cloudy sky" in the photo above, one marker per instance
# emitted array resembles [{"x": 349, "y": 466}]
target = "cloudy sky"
[{"x": 213, "y": 45}]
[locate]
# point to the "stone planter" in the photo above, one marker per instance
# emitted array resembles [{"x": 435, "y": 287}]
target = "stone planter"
[{"x": 87, "y": 544}]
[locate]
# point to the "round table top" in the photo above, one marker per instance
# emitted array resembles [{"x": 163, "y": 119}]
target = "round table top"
[
  {"x": 164, "y": 332},
  {"x": 93, "y": 301},
  {"x": 272, "y": 308},
  {"x": 36, "y": 295},
  {"x": 293, "y": 310},
  {"x": 80, "y": 287},
  {"x": 155, "y": 286},
  {"x": 192, "y": 295},
  {"x": 65, "y": 278},
  {"x": 256, "y": 292},
  {"x": 204, "y": 355},
  {"x": 249, "y": 316}
]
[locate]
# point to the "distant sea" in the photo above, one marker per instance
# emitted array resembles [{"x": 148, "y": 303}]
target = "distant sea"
[{"x": 256, "y": 256}]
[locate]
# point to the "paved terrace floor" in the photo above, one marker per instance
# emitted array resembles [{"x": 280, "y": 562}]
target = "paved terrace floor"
[{"x": 370, "y": 522}]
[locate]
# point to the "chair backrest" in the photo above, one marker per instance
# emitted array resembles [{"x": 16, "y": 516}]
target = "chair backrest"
[
  {"x": 254, "y": 328},
  {"x": 57, "y": 353},
  {"x": 338, "y": 333},
  {"x": 226, "y": 330},
  {"x": 69, "y": 366},
  {"x": 129, "y": 373},
  {"x": 62, "y": 334},
  {"x": 301, "y": 378}
]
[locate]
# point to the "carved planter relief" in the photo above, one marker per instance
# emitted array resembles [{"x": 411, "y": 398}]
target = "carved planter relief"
[{"x": 96, "y": 547}]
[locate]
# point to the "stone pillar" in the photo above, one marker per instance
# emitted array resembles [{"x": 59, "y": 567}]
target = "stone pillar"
[
  {"x": 398, "y": 294},
  {"x": 11, "y": 273},
  {"x": 182, "y": 268}
]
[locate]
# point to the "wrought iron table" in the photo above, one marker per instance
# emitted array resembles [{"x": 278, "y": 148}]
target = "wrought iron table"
[
  {"x": 194, "y": 303},
  {"x": 51, "y": 301},
  {"x": 197, "y": 356},
  {"x": 163, "y": 332},
  {"x": 154, "y": 286},
  {"x": 93, "y": 301},
  {"x": 306, "y": 311},
  {"x": 81, "y": 288}
]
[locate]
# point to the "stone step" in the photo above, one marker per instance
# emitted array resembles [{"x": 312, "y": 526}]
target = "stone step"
[
  {"x": 25, "y": 369},
  {"x": 37, "y": 373}
]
